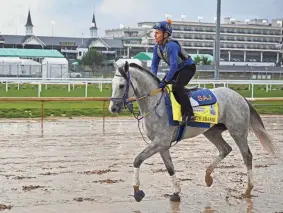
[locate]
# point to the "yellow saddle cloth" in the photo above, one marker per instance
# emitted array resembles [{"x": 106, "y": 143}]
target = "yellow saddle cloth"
[{"x": 203, "y": 114}]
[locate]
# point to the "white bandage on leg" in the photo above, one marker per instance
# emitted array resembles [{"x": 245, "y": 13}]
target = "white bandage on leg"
[
  {"x": 136, "y": 181},
  {"x": 176, "y": 184},
  {"x": 250, "y": 177}
]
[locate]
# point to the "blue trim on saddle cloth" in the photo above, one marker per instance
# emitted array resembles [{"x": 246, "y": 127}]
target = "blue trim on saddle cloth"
[
  {"x": 204, "y": 97},
  {"x": 199, "y": 124}
]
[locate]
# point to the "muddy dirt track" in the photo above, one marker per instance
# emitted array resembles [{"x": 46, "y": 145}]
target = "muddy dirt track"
[{"x": 74, "y": 167}]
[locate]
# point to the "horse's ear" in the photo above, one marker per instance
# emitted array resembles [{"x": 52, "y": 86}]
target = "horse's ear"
[
  {"x": 115, "y": 65},
  {"x": 126, "y": 67}
]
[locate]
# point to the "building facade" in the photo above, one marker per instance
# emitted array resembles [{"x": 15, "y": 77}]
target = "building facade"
[
  {"x": 70, "y": 47},
  {"x": 242, "y": 42},
  {"x": 251, "y": 41}
]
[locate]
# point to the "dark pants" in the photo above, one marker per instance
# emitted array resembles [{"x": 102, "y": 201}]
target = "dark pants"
[{"x": 182, "y": 78}]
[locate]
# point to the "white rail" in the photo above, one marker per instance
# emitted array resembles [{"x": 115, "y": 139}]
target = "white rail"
[{"x": 101, "y": 81}]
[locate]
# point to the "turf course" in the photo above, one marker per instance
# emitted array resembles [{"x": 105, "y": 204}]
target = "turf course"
[{"x": 69, "y": 109}]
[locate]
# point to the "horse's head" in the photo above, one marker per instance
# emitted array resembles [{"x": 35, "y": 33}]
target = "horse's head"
[{"x": 121, "y": 88}]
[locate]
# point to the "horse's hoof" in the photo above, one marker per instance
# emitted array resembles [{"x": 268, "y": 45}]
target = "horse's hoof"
[
  {"x": 175, "y": 198},
  {"x": 139, "y": 195},
  {"x": 248, "y": 191},
  {"x": 208, "y": 180}
]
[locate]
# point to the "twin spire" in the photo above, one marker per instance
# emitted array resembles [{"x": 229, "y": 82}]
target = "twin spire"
[
  {"x": 93, "y": 28},
  {"x": 29, "y": 26},
  {"x": 29, "y": 22}
]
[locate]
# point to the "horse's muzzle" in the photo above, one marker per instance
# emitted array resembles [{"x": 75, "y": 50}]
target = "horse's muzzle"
[{"x": 115, "y": 107}]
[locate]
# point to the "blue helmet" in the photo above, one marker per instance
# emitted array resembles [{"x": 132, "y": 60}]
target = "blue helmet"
[{"x": 164, "y": 26}]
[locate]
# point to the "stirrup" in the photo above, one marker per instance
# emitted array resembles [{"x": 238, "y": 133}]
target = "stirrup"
[{"x": 187, "y": 119}]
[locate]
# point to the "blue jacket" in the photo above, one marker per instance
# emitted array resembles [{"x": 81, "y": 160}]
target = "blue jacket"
[{"x": 173, "y": 50}]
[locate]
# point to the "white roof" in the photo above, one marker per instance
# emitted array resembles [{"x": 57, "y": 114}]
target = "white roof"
[
  {"x": 10, "y": 60},
  {"x": 55, "y": 61},
  {"x": 29, "y": 62}
]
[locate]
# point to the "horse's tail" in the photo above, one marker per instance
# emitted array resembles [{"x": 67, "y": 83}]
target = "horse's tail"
[{"x": 257, "y": 126}]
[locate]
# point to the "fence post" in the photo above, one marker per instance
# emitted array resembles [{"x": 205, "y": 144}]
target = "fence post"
[
  {"x": 39, "y": 90},
  {"x": 252, "y": 90},
  {"x": 42, "y": 115},
  {"x": 85, "y": 89},
  {"x": 103, "y": 118},
  {"x": 7, "y": 86}
]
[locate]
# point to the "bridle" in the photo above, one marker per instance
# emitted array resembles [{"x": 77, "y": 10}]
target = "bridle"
[{"x": 128, "y": 102}]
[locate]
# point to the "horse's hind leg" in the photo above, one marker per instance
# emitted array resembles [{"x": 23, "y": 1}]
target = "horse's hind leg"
[
  {"x": 242, "y": 142},
  {"x": 215, "y": 137},
  {"x": 166, "y": 157}
]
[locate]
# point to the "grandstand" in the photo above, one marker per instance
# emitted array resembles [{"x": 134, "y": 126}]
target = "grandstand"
[{"x": 255, "y": 41}]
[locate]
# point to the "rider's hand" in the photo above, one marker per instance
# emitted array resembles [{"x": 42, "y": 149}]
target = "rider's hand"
[{"x": 163, "y": 84}]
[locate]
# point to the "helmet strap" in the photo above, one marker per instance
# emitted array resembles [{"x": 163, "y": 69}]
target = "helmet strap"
[{"x": 165, "y": 39}]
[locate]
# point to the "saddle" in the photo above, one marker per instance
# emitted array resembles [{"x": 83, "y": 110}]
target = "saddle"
[{"x": 191, "y": 88}]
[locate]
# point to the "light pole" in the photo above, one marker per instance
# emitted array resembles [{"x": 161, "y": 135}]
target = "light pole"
[
  {"x": 280, "y": 44},
  {"x": 52, "y": 27},
  {"x": 200, "y": 18},
  {"x": 52, "y": 30},
  {"x": 217, "y": 41}
]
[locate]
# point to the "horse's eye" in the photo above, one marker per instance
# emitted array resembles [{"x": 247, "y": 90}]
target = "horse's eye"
[{"x": 121, "y": 86}]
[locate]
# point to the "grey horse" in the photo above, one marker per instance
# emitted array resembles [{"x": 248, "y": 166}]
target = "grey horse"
[{"x": 236, "y": 115}]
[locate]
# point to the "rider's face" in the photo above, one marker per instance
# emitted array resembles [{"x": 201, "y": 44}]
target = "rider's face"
[{"x": 158, "y": 36}]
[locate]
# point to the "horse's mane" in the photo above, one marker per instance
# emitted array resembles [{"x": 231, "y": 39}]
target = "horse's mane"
[{"x": 134, "y": 65}]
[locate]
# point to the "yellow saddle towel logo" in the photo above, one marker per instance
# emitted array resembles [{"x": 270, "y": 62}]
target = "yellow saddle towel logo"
[{"x": 203, "y": 114}]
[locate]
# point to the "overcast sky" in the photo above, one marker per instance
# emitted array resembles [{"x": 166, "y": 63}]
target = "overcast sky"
[{"x": 73, "y": 17}]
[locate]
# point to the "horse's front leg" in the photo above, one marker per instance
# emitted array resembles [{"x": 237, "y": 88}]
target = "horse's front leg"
[
  {"x": 166, "y": 157},
  {"x": 150, "y": 150}
]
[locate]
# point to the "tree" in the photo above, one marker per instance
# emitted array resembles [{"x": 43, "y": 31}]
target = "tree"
[
  {"x": 202, "y": 60},
  {"x": 197, "y": 60},
  {"x": 206, "y": 61},
  {"x": 92, "y": 58}
]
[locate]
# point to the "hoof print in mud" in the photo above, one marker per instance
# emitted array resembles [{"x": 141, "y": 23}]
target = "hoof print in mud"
[
  {"x": 31, "y": 187},
  {"x": 5, "y": 207},
  {"x": 139, "y": 195}
]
